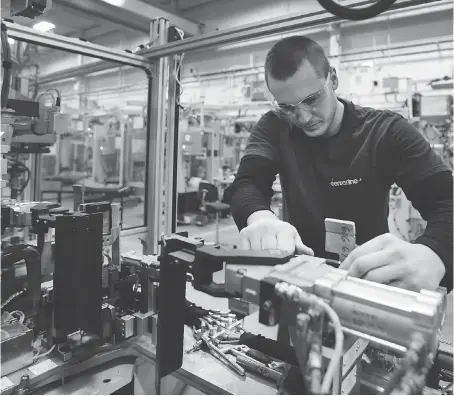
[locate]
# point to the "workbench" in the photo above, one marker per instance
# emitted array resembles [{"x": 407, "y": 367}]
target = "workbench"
[{"x": 134, "y": 359}]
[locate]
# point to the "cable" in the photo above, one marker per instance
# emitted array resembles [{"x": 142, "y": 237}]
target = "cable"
[
  {"x": 179, "y": 82},
  {"x": 45, "y": 93},
  {"x": 11, "y": 298},
  {"x": 338, "y": 347},
  {"x": 181, "y": 34},
  {"x": 39, "y": 356},
  {"x": 23, "y": 167},
  {"x": 356, "y": 14},
  {"x": 294, "y": 293},
  {"x": 21, "y": 316},
  {"x": 58, "y": 100},
  {"x": 7, "y": 65}
]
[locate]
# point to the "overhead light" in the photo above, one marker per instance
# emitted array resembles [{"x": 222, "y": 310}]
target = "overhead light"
[
  {"x": 44, "y": 26},
  {"x": 117, "y": 3},
  {"x": 11, "y": 41}
]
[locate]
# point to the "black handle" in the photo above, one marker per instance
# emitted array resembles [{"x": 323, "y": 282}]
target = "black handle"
[
  {"x": 280, "y": 351},
  {"x": 251, "y": 257},
  {"x": 215, "y": 290},
  {"x": 259, "y": 356}
]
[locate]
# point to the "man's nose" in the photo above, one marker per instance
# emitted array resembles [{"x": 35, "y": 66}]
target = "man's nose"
[{"x": 303, "y": 115}]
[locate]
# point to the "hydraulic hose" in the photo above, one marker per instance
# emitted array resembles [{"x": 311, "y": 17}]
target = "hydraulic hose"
[
  {"x": 7, "y": 65},
  {"x": 356, "y": 14},
  {"x": 32, "y": 258}
]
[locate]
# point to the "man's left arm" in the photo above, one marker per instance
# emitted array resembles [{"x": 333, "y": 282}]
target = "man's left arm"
[{"x": 406, "y": 158}]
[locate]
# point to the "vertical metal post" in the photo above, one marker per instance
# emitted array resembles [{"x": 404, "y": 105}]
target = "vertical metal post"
[
  {"x": 35, "y": 178},
  {"x": 335, "y": 49},
  {"x": 123, "y": 148},
  {"x": 58, "y": 146},
  {"x": 156, "y": 201},
  {"x": 171, "y": 162}
]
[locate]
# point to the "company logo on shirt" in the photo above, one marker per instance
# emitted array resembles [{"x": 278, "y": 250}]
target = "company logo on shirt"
[{"x": 348, "y": 182}]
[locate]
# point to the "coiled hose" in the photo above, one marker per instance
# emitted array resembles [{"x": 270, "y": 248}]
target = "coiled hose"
[{"x": 356, "y": 14}]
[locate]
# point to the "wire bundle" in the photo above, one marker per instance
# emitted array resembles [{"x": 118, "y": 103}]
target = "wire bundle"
[{"x": 296, "y": 295}]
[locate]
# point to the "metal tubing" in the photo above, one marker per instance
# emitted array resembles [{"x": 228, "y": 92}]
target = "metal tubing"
[
  {"x": 74, "y": 45},
  {"x": 375, "y": 340},
  {"x": 260, "y": 29}
]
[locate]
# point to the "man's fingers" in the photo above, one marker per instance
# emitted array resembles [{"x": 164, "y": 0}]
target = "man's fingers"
[
  {"x": 269, "y": 241},
  {"x": 301, "y": 248},
  {"x": 401, "y": 285},
  {"x": 244, "y": 243},
  {"x": 368, "y": 262},
  {"x": 286, "y": 242},
  {"x": 386, "y": 275},
  {"x": 371, "y": 246},
  {"x": 255, "y": 239}
]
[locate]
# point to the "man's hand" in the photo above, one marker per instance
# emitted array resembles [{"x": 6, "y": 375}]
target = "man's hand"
[
  {"x": 389, "y": 260},
  {"x": 266, "y": 231}
]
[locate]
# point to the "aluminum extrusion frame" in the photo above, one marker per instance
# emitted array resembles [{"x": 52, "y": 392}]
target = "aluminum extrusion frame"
[
  {"x": 261, "y": 29},
  {"x": 74, "y": 45}
]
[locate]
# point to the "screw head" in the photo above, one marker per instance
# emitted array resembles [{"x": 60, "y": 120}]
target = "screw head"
[{"x": 267, "y": 305}]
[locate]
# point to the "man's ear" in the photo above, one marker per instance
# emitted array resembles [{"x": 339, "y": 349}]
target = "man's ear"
[{"x": 334, "y": 79}]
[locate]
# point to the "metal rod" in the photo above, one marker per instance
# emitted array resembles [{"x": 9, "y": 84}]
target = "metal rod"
[
  {"x": 75, "y": 45},
  {"x": 260, "y": 29},
  {"x": 375, "y": 340}
]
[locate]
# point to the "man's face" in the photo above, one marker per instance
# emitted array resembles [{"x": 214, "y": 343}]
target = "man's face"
[{"x": 311, "y": 100}]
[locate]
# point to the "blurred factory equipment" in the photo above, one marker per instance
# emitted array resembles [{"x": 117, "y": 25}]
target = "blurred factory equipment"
[
  {"x": 25, "y": 8},
  {"x": 210, "y": 204}
]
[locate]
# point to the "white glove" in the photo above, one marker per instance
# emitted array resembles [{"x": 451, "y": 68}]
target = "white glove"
[{"x": 266, "y": 231}]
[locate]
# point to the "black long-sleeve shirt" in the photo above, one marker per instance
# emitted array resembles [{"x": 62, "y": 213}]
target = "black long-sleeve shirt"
[{"x": 347, "y": 176}]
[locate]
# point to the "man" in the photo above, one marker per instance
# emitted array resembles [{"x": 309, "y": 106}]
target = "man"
[{"x": 339, "y": 160}]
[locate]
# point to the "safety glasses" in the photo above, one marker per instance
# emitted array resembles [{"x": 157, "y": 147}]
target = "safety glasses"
[{"x": 309, "y": 103}]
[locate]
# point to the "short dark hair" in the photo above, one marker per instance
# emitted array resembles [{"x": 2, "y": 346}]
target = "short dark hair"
[{"x": 287, "y": 55}]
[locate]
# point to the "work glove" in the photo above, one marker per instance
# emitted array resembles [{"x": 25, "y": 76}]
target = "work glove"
[{"x": 266, "y": 231}]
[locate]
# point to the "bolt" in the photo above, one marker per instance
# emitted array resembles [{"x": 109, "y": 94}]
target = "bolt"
[
  {"x": 241, "y": 271},
  {"x": 267, "y": 305}
]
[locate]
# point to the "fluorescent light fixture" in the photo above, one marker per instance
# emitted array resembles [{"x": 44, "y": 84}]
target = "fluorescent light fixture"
[
  {"x": 44, "y": 26},
  {"x": 11, "y": 41},
  {"x": 117, "y": 3}
]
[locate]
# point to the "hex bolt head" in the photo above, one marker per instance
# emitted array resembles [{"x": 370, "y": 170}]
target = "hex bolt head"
[{"x": 267, "y": 305}]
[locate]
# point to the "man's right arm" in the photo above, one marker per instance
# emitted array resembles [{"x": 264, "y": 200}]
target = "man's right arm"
[{"x": 252, "y": 189}]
